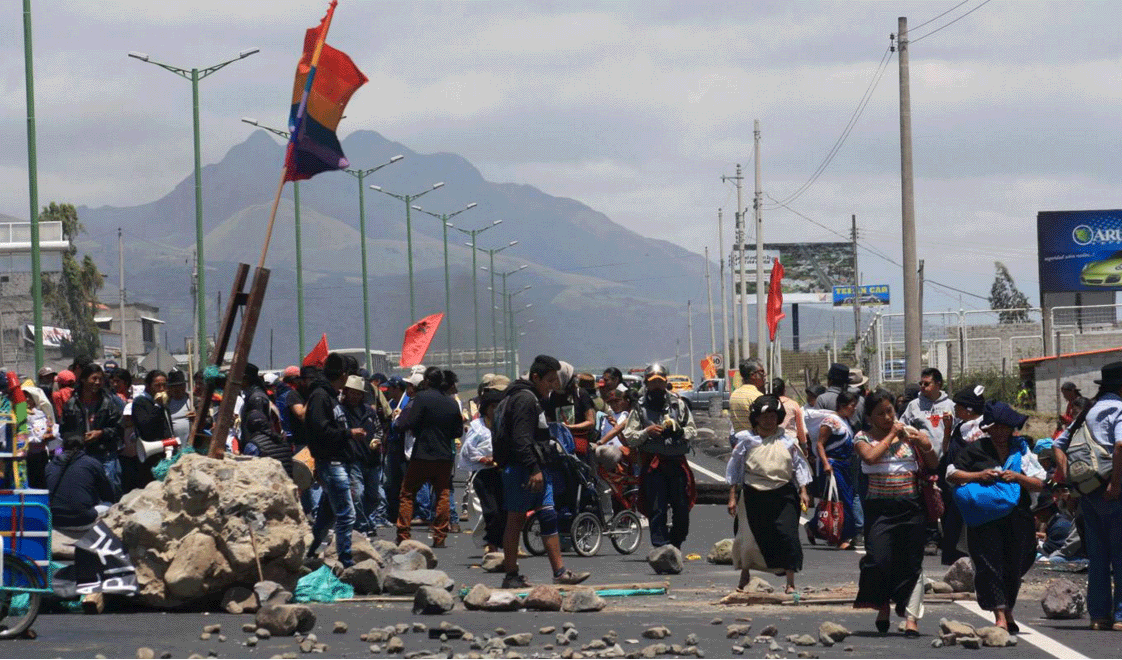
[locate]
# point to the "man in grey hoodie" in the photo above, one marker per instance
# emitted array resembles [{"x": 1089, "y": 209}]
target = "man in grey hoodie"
[{"x": 932, "y": 409}]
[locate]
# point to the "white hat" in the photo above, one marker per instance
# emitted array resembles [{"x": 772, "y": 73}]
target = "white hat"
[
  {"x": 355, "y": 383},
  {"x": 415, "y": 379},
  {"x": 417, "y": 369},
  {"x": 270, "y": 378}
]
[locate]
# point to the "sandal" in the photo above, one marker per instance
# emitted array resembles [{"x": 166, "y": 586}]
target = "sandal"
[{"x": 1102, "y": 624}]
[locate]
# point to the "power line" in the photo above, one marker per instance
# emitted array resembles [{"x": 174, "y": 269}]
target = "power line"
[
  {"x": 878, "y": 73},
  {"x": 930, "y": 20},
  {"x": 917, "y": 39}
]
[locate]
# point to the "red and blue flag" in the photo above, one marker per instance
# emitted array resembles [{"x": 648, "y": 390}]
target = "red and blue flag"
[{"x": 325, "y": 80}]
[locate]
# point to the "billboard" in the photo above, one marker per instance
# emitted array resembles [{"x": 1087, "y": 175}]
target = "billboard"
[
  {"x": 1079, "y": 250},
  {"x": 871, "y": 294},
  {"x": 809, "y": 268}
]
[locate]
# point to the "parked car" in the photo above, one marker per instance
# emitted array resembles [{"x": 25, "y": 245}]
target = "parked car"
[
  {"x": 706, "y": 391},
  {"x": 679, "y": 383},
  {"x": 894, "y": 369},
  {"x": 1107, "y": 272}
]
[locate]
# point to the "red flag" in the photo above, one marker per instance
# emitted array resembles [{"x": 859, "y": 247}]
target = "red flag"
[
  {"x": 417, "y": 339},
  {"x": 775, "y": 299},
  {"x": 318, "y": 355}
]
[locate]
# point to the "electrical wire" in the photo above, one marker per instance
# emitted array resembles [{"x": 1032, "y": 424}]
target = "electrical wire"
[
  {"x": 932, "y": 20},
  {"x": 945, "y": 25},
  {"x": 882, "y": 66}
]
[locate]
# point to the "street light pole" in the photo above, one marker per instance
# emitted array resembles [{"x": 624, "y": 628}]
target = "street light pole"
[
  {"x": 33, "y": 186},
  {"x": 444, "y": 225},
  {"x": 505, "y": 300},
  {"x": 360, "y": 175},
  {"x": 474, "y": 285},
  {"x": 409, "y": 199},
  {"x": 494, "y": 327},
  {"x": 195, "y": 75}
]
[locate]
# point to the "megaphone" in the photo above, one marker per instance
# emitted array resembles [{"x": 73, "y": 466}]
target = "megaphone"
[{"x": 148, "y": 448}]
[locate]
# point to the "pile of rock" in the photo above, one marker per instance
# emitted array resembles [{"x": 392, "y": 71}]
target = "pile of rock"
[
  {"x": 960, "y": 576},
  {"x": 721, "y": 553},
  {"x": 1063, "y": 599},
  {"x": 189, "y": 535},
  {"x": 967, "y": 636},
  {"x": 665, "y": 560}
]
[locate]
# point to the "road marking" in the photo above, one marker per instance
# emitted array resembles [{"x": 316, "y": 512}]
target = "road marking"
[
  {"x": 1028, "y": 634},
  {"x": 720, "y": 478}
]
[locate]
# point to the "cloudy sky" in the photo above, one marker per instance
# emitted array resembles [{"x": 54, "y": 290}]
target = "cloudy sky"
[{"x": 635, "y": 108}]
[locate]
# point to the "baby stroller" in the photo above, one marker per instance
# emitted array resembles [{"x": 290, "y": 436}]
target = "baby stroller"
[{"x": 584, "y": 513}]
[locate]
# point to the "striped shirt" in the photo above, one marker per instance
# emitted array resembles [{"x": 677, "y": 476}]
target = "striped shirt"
[{"x": 892, "y": 477}]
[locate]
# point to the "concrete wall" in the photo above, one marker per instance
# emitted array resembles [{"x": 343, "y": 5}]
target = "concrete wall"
[{"x": 1082, "y": 370}]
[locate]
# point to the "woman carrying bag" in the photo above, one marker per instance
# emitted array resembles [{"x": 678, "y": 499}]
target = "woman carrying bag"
[
  {"x": 769, "y": 471},
  {"x": 895, "y": 517},
  {"x": 834, "y": 448},
  {"x": 994, "y": 476}
]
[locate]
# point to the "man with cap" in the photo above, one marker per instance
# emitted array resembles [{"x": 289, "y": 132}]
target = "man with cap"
[
  {"x": 662, "y": 429},
  {"x": 46, "y": 380},
  {"x": 1102, "y": 510},
  {"x": 927, "y": 411},
  {"x": 65, "y": 380},
  {"x": 328, "y": 438},
  {"x": 365, "y": 464},
  {"x": 393, "y": 466},
  {"x": 753, "y": 377}
]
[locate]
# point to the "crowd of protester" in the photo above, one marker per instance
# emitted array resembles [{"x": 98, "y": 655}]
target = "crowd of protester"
[
  {"x": 927, "y": 473},
  {"x": 921, "y": 473}
]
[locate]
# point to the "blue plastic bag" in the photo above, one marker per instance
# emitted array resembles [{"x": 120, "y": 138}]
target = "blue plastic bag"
[{"x": 983, "y": 503}]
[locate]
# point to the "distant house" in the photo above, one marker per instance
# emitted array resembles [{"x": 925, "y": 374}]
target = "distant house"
[{"x": 141, "y": 326}]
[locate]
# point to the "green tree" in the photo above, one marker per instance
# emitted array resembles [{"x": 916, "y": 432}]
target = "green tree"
[
  {"x": 71, "y": 296},
  {"x": 1005, "y": 295}
]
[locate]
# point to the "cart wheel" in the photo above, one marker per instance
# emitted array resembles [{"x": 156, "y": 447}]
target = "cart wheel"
[
  {"x": 532, "y": 535},
  {"x": 587, "y": 534},
  {"x": 18, "y": 604},
  {"x": 626, "y": 532}
]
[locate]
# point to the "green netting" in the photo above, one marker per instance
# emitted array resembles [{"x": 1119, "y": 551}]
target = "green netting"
[
  {"x": 321, "y": 586},
  {"x": 160, "y": 472}
]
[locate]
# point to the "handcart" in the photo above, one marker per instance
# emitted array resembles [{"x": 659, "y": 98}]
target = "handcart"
[{"x": 25, "y": 575}]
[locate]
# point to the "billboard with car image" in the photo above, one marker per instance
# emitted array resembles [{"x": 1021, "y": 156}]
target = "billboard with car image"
[{"x": 1079, "y": 250}]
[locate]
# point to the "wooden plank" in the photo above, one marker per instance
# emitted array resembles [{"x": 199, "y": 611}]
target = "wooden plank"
[
  {"x": 202, "y": 413},
  {"x": 376, "y": 599},
  {"x": 233, "y": 386},
  {"x": 598, "y": 587}
]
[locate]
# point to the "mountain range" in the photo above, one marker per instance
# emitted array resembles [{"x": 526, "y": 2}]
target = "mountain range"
[{"x": 601, "y": 294}]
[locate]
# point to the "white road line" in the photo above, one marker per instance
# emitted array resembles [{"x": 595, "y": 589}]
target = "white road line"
[
  {"x": 1028, "y": 634},
  {"x": 720, "y": 478}
]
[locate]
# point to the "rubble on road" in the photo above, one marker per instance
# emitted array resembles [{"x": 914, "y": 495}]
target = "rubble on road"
[
  {"x": 1063, "y": 599},
  {"x": 666, "y": 560},
  {"x": 721, "y": 553},
  {"x": 960, "y": 576}
]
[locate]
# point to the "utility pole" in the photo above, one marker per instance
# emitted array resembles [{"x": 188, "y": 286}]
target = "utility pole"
[
  {"x": 709, "y": 294},
  {"x": 689, "y": 318},
  {"x": 856, "y": 299},
  {"x": 913, "y": 329},
  {"x": 741, "y": 316},
  {"x": 761, "y": 298},
  {"x": 121, "y": 298},
  {"x": 724, "y": 297},
  {"x": 735, "y": 256},
  {"x": 920, "y": 277}
]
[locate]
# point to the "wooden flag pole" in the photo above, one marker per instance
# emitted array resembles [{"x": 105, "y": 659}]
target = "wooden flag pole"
[
  {"x": 300, "y": 113},
  {"x": 272, "y": 218}
]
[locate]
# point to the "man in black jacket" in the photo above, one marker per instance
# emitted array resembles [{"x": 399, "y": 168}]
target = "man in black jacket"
[
  {"x": 523, "y": 449},
  {"x": 328, "y": 438},
  {"x": 254, "y": 397}
]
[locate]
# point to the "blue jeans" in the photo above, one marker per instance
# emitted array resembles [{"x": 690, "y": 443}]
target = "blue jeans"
[
  {"x": 340, "y": 509},
  {"x": 366, "y": 483},
  {"x": 1102, "y": 522}
]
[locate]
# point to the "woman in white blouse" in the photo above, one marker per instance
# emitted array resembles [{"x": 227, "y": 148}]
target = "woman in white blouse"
[{"x": 769, "y": 475}]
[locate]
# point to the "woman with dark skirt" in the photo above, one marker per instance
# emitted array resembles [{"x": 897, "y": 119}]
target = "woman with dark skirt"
[
  {"x": 769, "y": 472},
  {"x": 1001, "y": 535},
  {"x": 962, "y": 430},
  {"x": 895, "y": 521},
  {"x": 834, "y": 448}
]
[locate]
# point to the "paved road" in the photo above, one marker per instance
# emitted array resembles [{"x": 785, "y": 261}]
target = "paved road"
[{"x": 688, "y": 608}]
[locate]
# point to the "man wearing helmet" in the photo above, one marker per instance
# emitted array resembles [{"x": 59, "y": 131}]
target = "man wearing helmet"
[{"x": 662, "y": 430}]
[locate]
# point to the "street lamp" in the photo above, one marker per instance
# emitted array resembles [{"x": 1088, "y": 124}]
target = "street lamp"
[
  {"x": 444, "y": 225},
  {"x": 510, "y": 331},
  {"x": 504, "y": 309},
  {"x": 494, "y": 328},
  {"x": 195, "y": 75},
  {"x": 518, "y": 334},
  {"x": 408, "y": 199},
  {"x": 474, "y": 292},
  {"x": 360, "y": 175}
]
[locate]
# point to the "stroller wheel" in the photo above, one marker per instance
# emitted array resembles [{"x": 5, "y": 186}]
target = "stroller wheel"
[
  {"x": 532, "y": 535},
  {"x": 587, "y": 534},
  {"x": 626, "y": 532}
]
